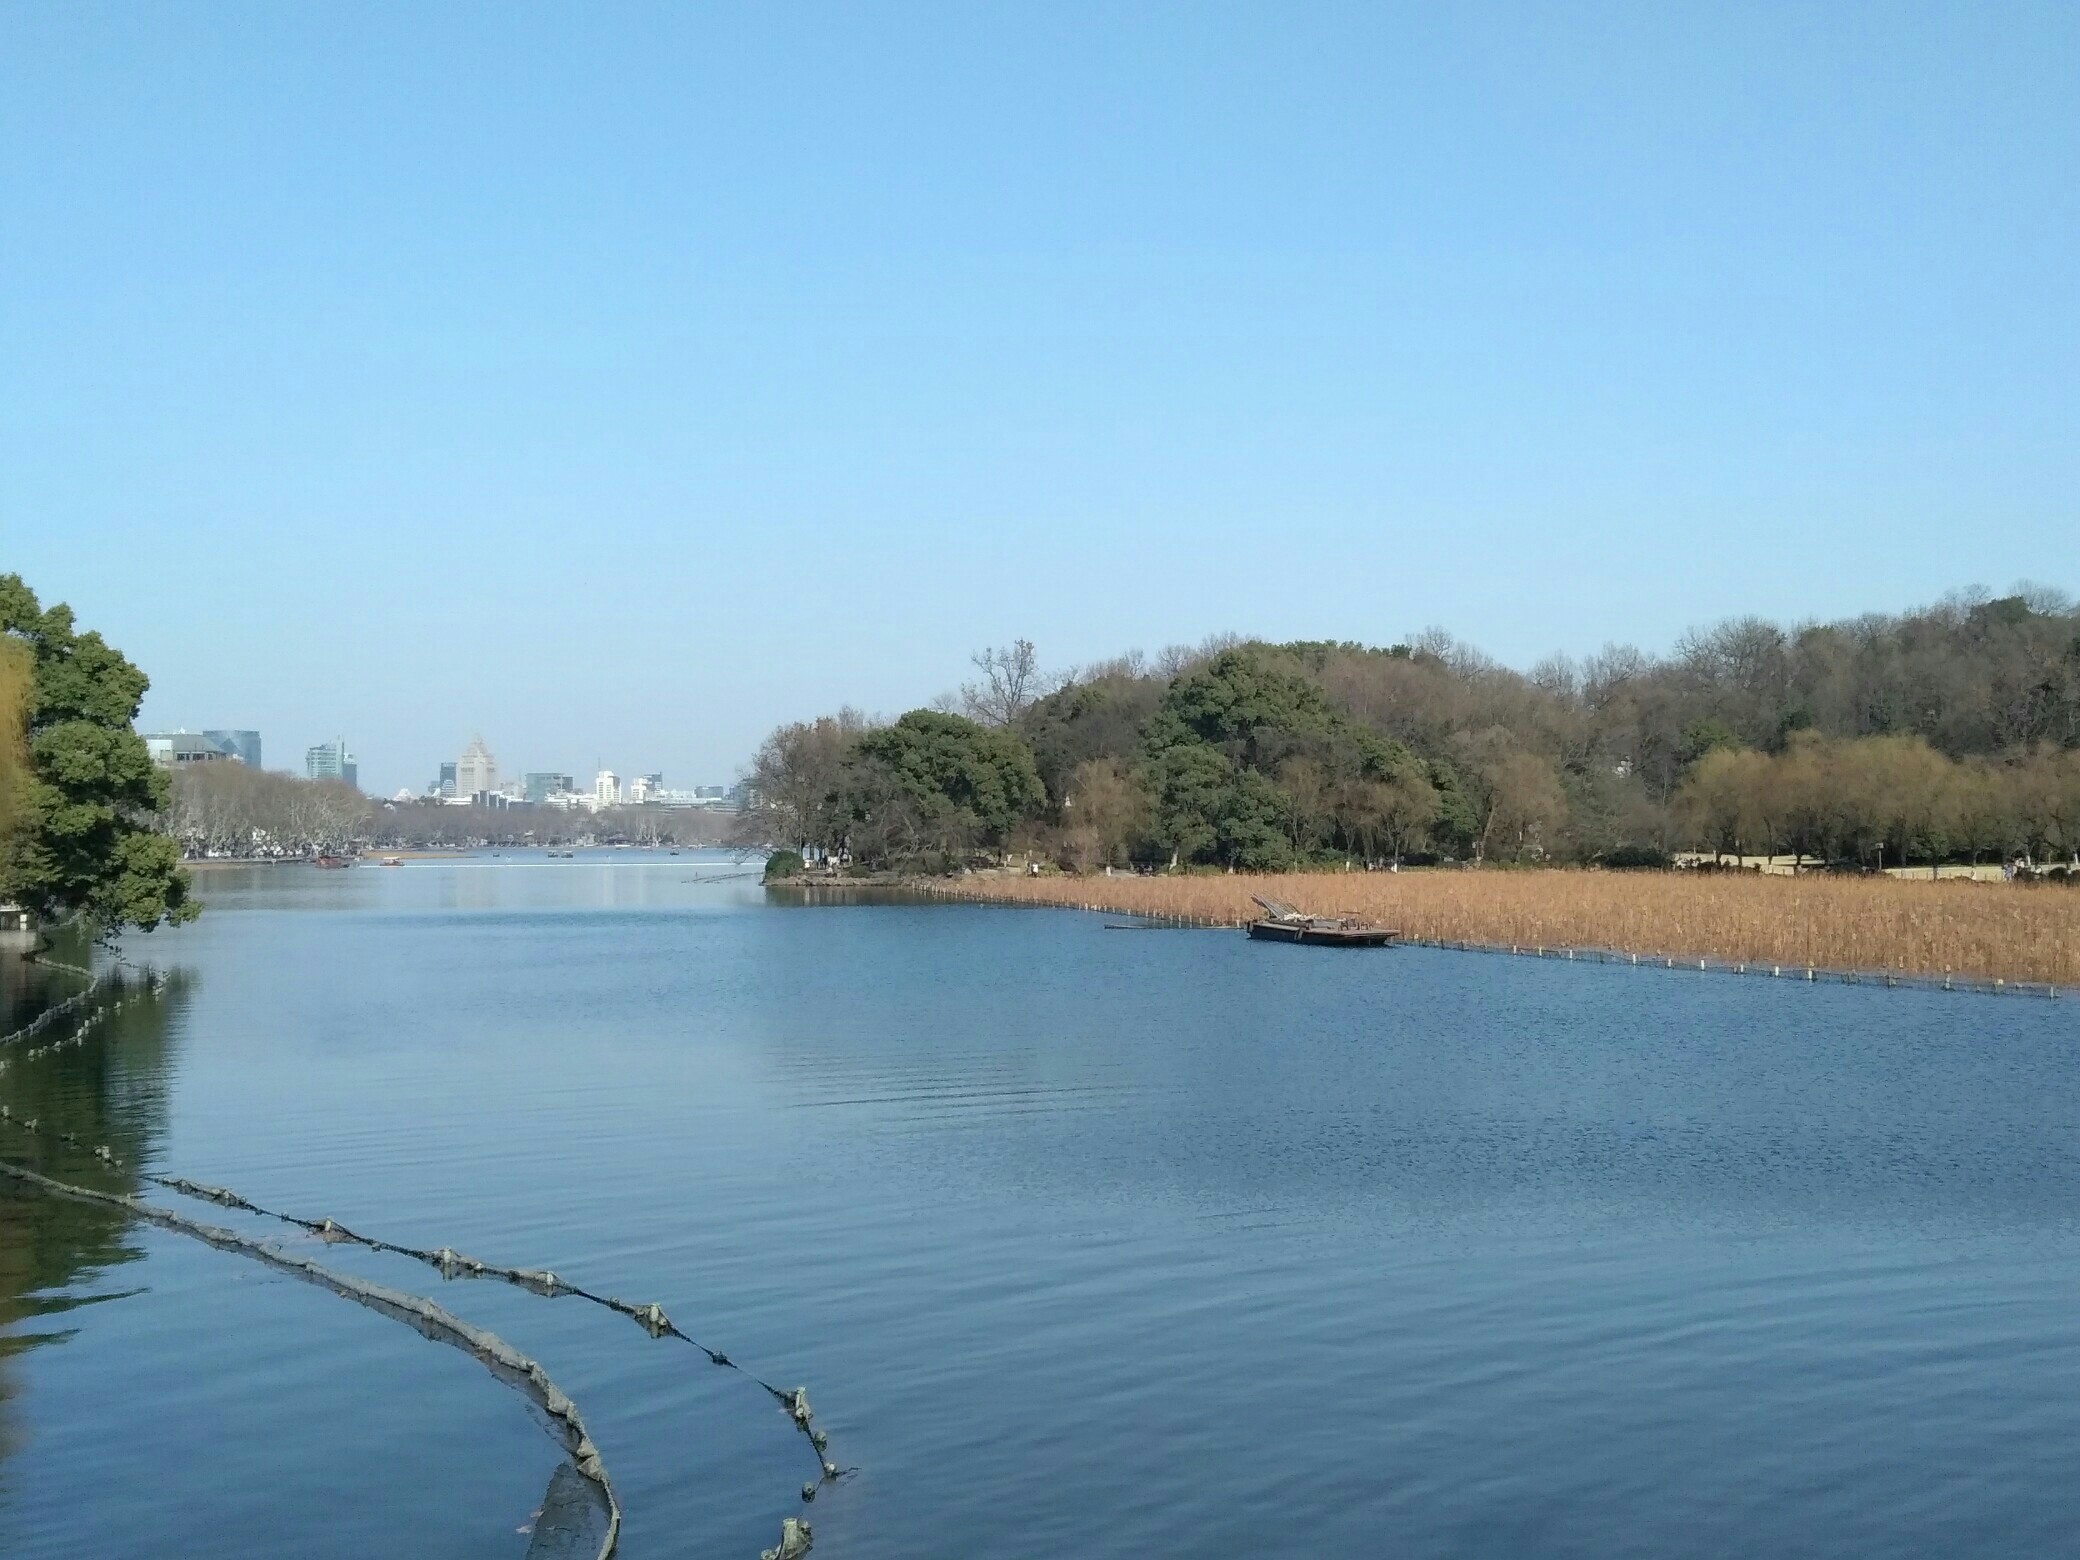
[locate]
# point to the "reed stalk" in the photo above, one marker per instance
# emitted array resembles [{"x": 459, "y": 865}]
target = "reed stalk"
[{"x": 1989, "y": 931}]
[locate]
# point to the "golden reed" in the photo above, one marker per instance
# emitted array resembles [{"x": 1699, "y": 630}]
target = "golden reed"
[{"x": 1993, "y": 931}]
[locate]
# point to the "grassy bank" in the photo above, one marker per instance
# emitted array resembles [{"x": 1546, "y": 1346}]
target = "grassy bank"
[{"x": 1986, "y": 931}]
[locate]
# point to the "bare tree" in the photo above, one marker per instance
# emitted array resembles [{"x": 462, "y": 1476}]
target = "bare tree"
[
  {"x": 796, "y": 777},
  {"x": 1103, "y": 812},
  {"x": 1012, "y": 683}
]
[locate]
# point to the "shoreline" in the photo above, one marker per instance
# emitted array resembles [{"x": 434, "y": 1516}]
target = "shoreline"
[
  {"x": 216, "y": 863},
  {"x": 1953, "y": 936}
]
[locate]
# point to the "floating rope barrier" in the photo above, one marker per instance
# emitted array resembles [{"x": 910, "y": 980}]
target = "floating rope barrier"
[
  {"x": 794, "y": 1541},
  {"x": 47, "y": 962},
  {"x": 497, "y": 1356},
  {"x": 449, "y": 1263},
  {"x": 154, "y": 985},
  {"x": 60, "y": 1010},
  {"x": 452, "y": 1264},
  {"x": 55, "y": 1012}
]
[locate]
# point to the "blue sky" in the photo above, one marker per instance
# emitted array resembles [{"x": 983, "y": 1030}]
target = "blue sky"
[{"x": 618, "y": 381}]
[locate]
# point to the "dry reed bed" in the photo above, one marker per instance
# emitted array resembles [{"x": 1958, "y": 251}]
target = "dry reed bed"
[{"x": 1990, "y": 931}]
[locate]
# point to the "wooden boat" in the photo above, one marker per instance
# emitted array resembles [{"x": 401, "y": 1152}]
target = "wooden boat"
[
  {"x": 1282, "y": 923},
  {"x": 331, "y": 861}
]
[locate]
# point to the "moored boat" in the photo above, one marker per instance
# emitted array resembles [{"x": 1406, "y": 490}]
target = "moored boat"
[
  {"x": 1324, "y": 932},
  {"x": 1282, "y": 923}
]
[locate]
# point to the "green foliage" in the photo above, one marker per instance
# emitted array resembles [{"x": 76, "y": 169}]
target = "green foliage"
[
  {"x": 1099, "y": 719},
  {"x": 963, "y": 778},
  {"x": 784, "y": 864},
  {"x": 1248, "y": 835},
  {"x": 1249, "y": 767},
  {"x": 1458, "y": 822},
  {"x": 1793, "y": 720},
  {"x": 1315, "y": 654},
  {"x": 2005, "y": 612},
  {"x": 85, "y": 838},
  {"x": 1636, "y": 858},
  {"x": 1207, "y": 808},
  {"x": 1706, "y": 736},
  {"x": 1188, "y": 783},
  {"x": 1250, "y": 753},
  {"x": 1251, "y": 703}
]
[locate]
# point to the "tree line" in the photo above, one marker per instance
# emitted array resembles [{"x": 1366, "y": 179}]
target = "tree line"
[
  {"x": 1951, "y": 732},
  {"x": 228, "y": 810},
  {"x": 1879, "y": 800}
]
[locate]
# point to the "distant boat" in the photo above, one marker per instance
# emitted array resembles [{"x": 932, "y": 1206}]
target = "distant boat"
[
  {"x": 330, "y": 860},
  {"x": 392, "y": 861},
  {"x": 1282, "y": 923}
]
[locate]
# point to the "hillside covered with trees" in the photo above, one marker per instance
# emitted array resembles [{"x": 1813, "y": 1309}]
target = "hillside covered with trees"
[{"x": 1947, "y": 733}]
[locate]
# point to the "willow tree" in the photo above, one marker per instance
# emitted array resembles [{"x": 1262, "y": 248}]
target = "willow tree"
[{"x": 82, "y": 792}]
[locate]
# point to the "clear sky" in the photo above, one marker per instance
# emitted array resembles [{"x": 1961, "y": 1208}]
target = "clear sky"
[{"x": 617, "y": 381}]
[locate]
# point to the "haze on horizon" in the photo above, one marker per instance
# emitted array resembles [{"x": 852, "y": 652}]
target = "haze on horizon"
[{"x": 619, "y": 384}]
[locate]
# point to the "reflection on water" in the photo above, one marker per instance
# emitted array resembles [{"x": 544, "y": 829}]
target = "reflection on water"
[
  {"x": 1085, "y": 1243},
  {"x": 56, "y": 1256}
]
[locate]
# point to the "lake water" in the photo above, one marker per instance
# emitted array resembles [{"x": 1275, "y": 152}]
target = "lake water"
[{"x": 1085, "y": 1242}]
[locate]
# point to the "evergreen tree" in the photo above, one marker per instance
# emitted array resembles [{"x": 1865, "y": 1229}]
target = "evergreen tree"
[{"x": 84, "y": 837}]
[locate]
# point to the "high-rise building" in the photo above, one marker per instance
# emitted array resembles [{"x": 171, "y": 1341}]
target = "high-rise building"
[
  {"x": 476, "y": 770},
  {"x": 543, "y": 784},
  {"x": 606, "y": 789},
  {"x": 332, "y": 761},
  {"x": 242, "y": 745},
  {"x": 179, "y": 749},
  {"x": 646, "y": 788}
]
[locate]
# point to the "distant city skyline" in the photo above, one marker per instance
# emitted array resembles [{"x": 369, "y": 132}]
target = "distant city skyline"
[
  {"x": 476, "y": 770},
  {"x": 476, "y": 776}
]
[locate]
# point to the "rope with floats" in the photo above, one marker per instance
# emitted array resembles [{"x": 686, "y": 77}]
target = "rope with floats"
[
  {"x": 504, "y": 1361},
  {"x": 450, "y": 1264}
]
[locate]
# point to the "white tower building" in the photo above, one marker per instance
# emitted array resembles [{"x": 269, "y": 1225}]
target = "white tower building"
[{"x": 476, "y": 770}]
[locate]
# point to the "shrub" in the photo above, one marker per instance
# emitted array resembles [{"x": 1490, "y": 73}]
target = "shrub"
[
  {"x": 1635, "y": 858},
  {"x": 784, "y": 864}
]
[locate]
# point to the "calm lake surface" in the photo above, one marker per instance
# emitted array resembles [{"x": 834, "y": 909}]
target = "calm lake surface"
[{"x": 1085, "y": 1242}]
